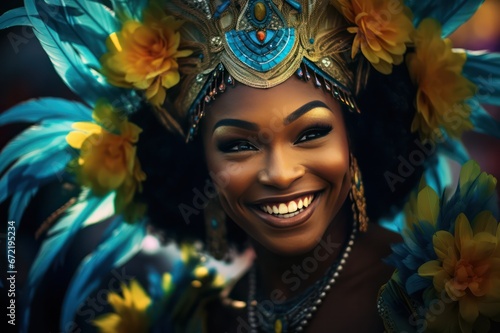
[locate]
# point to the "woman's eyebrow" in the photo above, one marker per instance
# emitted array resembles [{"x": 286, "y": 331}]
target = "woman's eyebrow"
[
  {"x": 303, "y": 110},
  {"x": 237, "y": 123},
  {"x": 247, "y": 125}
]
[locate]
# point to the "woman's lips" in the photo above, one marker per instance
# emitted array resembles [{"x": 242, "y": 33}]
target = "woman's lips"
[{"x": 288, "y": 214}]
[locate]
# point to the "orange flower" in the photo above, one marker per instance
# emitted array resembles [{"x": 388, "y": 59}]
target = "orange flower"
[
  {"x": 383, "y": 28},
  {"x": 468, "y": 271},
  {"x": 143, "y": 55},
  {"x": 442, "y": 90}
]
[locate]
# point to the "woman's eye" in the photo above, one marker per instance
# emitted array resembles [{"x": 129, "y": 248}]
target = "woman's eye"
[
  {"x": 314, "y": 133},
  {"x": 239, "y": 146}
]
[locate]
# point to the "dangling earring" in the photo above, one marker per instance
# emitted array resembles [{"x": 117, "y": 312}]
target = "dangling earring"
[
  {"x": 215, "y": 226},
  {"x": 357, "y": 196}
]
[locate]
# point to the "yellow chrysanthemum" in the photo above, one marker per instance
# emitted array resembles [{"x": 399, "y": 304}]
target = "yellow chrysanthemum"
[
  {"x": 108, "y": 160},
  {"x": 130, "y": 311},
  {"x": 468, "y": 271},
  {"x": 442, "y": 90},
  {"x": 143, "y": 55},
  {"x": 383, "y": 28}
]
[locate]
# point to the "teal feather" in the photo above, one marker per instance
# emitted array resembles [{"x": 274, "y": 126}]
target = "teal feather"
[
  {"x": 454, "y": 149},
  {"x": 130, "y": 8},
  {"x": 113, "y": 251},
  {"x": 53, "y": 164},
  {"x": 36, "y": 168},
  {"x": 32, "y": 139},
  {"x": 85, "y": 25},
  {"x": 451, "y": 13},
  {"x": 54, "y": 245},
  {"x": 90, "y": 14},
  {"x": 438, "y": 176},
  {"x": 19, "y": 202},
  {"x": 416, "y": 283},
  {"x": 14, "y": 17},
  {"x": 44, "y": 109},
  {"x": 483, "y": 122},
  {"x": 72, "y": 66},
  {"x": 483, "y": 69}
]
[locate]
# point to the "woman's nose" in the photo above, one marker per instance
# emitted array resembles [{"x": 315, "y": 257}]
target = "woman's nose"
[{"x": 281, "y": 169}]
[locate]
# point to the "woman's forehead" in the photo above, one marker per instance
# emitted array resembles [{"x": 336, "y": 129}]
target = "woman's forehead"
[{"x": 243, "y": 101}]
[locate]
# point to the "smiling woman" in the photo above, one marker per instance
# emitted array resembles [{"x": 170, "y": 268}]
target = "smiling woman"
[{"x": 268, "y": 140}]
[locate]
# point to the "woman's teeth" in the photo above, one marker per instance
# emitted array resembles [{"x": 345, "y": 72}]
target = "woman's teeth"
[{"x": 288, "y": 209}]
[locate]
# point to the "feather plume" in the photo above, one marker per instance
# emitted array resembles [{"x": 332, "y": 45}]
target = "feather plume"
[
  {"x": 483, "y": 69},
  {"x": 71, "y": 64},
  {"x": 14, "y": 17},
  {"x": 124, "y": 242},
  {"x": 34, "y": 138},
  {"x": 54, "y": 246},
  {"x": 20, "y": 201},
  {"x": 129, "y": 9},
  {"x": 451, "y": 13},
  {"x": 45, "y": 109},
  {"x": 483, "y": 122},
  {"x": 35, "y": 169}
]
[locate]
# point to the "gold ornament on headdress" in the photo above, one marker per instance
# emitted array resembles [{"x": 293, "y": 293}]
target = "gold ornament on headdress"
[{"x": 260, "y": 43}]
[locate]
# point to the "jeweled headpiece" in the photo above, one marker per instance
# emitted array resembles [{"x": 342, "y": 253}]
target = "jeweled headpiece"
[{"x": 260, "y": 43}]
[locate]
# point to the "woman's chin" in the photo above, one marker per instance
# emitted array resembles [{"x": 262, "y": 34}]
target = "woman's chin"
[{"x": 291, "y": 245}]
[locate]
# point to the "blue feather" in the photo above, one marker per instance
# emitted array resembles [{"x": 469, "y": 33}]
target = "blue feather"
[
  {"x": 14, "y": 17},
  {"x": 483, "y": 122},
  {"x": 483, "y": 69},
  {"x": 69, "y": 63},
  {"x": 36, "y": 168},
  {"x": 32, "y": 139},
  {"x": 113, "y": 252},
  {"x": 454, "y": 149},
  {"x": 415, "y": 283},
  {"x": 44, "y": 109},
  {"x": 451, "y": 13},
  {"x": 130, "y": 8},
  {"x": 20, "y": 201},
  {"x": 85, "y": 25},
  {"x": 91, "y": 14},
  {"x": 53, "y": 165},
  {"x": 53, "y": 245},
  {"x": 438, "y": 176}
]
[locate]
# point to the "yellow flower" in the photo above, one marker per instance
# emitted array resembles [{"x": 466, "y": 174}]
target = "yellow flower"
[
  {"x": 442, "y": 90},
  {"x": 143, "y": 55},
  {"x": 130, "y": 311},
  {"x": 108, "y": 160},
  {"x": 383, "y": 28},
  {"x": 468, "y": 271}
]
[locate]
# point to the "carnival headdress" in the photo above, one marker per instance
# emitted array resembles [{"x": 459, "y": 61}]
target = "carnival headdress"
[{"x": 174, "y": 56}]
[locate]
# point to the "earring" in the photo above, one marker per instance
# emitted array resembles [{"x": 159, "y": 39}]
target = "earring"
[
  {"x": 357, "y": 196},
  {"x": 215, "y": 226}
]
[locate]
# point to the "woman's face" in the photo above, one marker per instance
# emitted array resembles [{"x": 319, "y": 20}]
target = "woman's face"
[{"x": 280, "y": 160}]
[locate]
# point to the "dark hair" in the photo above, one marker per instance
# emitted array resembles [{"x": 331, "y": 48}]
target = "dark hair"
[
  {"x": 382, "y": 140},
  {"x": 380, "y": 137}
]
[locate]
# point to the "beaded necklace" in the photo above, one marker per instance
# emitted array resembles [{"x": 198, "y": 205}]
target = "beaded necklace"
[{"x": 294, "y": 315}]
